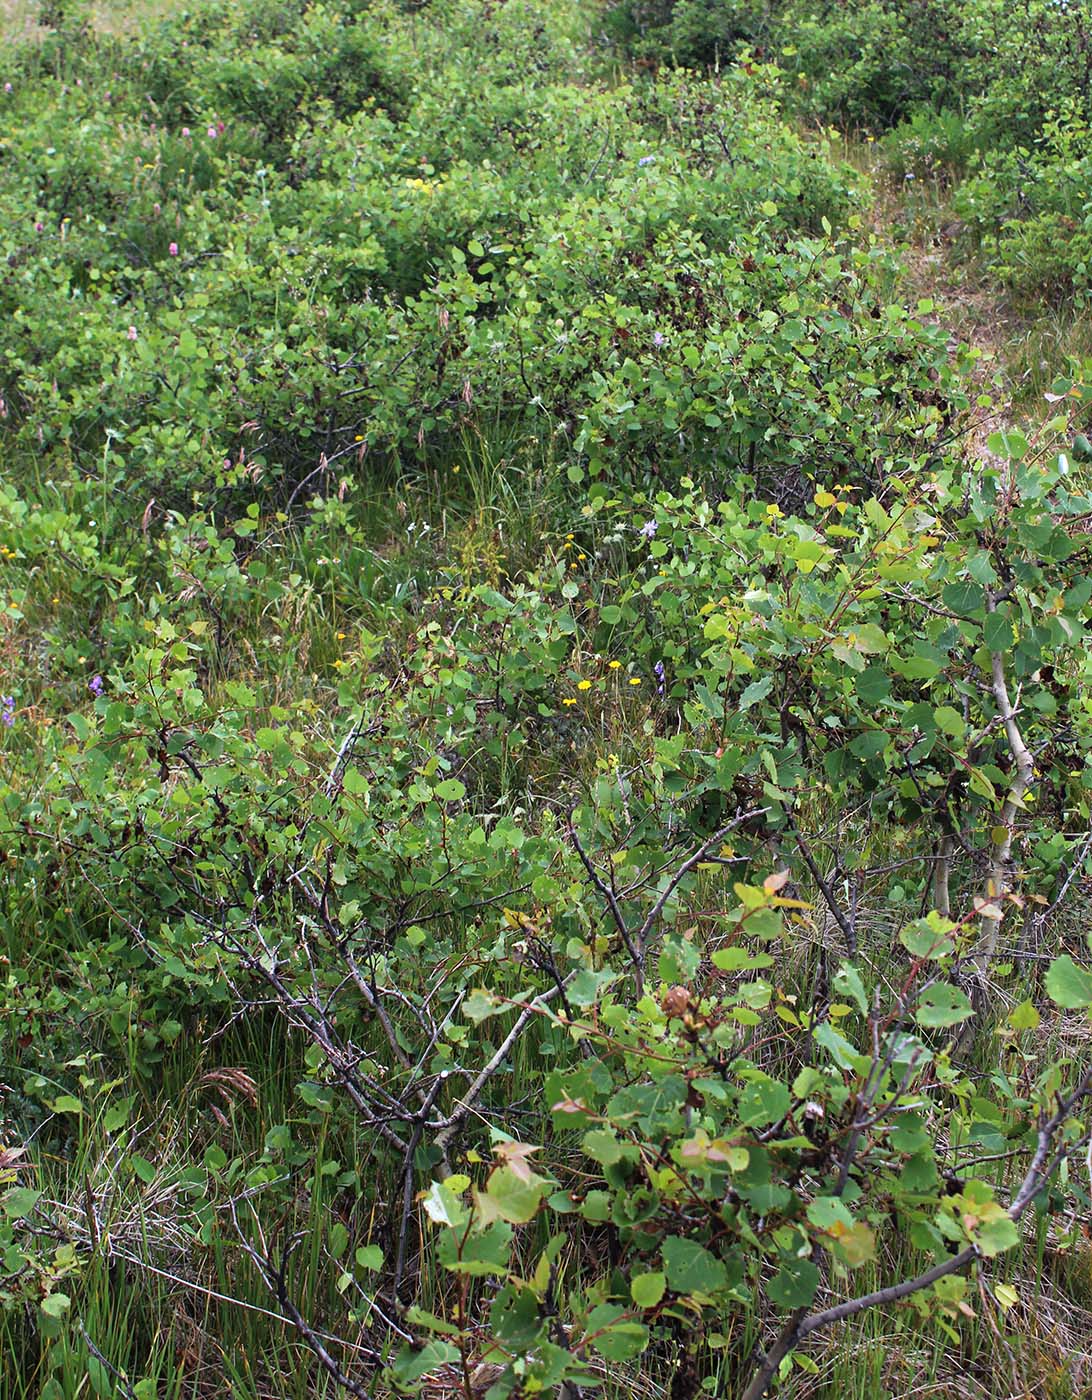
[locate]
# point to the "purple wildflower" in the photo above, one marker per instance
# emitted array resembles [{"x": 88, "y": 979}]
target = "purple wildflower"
[
  {"x": 648, "y": 529},
  {"x": 659, "y": 340},
  {"x": 94, "y": 685},
  {"x": 646, "y": 160},
  {"x": 661, "y": 677},
  {"x": 7, "y": 710}
]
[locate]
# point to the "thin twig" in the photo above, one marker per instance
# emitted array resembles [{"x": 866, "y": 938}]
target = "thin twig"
[{"x": 825, "y": 889}]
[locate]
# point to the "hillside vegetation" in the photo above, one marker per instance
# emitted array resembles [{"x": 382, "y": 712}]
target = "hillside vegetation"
[{"x": 545, "y": 733}]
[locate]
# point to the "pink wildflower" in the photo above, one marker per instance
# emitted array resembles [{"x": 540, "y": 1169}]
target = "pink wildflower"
[
  {"x": 212, "y": 133},
  {"x": 132, "y": 332},
  {"x": 173, "y": 250}
]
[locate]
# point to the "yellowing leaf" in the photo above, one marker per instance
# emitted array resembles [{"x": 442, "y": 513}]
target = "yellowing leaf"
[{"x": 1007, "y": 1296}]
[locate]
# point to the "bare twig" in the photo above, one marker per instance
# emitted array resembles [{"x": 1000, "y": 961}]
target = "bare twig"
[
  {"x": 825, "y": 889},
  {"x": 636, "y": 943},
  {"x": 997, "y": 871},
  {"x": 454, "y": 1122}
]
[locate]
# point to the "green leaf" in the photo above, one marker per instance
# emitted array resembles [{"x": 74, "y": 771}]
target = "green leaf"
[
  {"x": 116, "y": 1116},
  {"x": 949, "y": 721},
  {"x": 430, "y": 1321},
  {"x": 142, "y": 1169},
  {"x": 613, "y": 1334},
  {"x": 763, "y": 1101},
  {"x": 355, "y": 783},
  {"x": 1024, "y": 1017},
  {"x": 1011, "y": 444},
  {"x": 482, "y": 1253},
  {"x": 413, "y": 1363},
  {"x": 943, "y": 1005},
  {"x": 997, "y": 1234},
  {"x": 515, "y": 1195},
  {"x": 997, "y": 630},
  {"x": 828, "y": 1211},
  {"x": 848, "y": 983},
  {"x": 690, "y": 1268},
  {"x": 480, "y": 1005},
  {"x": 929, "y": 937},
  {"x": 844, "y": 1054},
  {"x": 964, "y": 598},
  {"x": 1068, "y": 985},
  {"x": 873, "y": 685},
  {"x": 736, "y": 959},
  {"x": 756, "y": 691},
  {"x": 794, "y": 1284},
  {"x": 19, "y": 1202},
  {"x": 450, "y": 790},
  {"x": 603, "y": 1147},
  {"x": 857, "y": 1245},
  {"x": 443, "y": 1207},
  {"x": 370, "y": 1256},
  {"x": 981, "y": 784},
  {"x": 646, "y": 1290},
  {"x": 596, "y": 1206}
]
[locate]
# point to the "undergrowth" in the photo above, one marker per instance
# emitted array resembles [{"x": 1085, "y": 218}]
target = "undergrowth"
[{"x": 545, "y": 750}]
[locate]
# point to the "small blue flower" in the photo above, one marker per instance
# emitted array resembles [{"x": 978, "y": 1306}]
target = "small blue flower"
[
  {"x": 94, "y": 685},
  {"x": 7, "y": 710},
  {"x": 659, "y": 340},
  {"x": 646, "y": 160},
  {"x": 648, "y": 529}
]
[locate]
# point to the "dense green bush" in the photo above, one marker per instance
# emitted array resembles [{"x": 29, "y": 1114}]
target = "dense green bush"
[
  {"x": 877, "y": 62},
  {"x": 949, "y": 86},
  {"x": 659, "y": 271},
  {"x": 758, "y": 672},
  {"x": 539, "y": 779},
  {"x": 1030, "y": 211}
]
